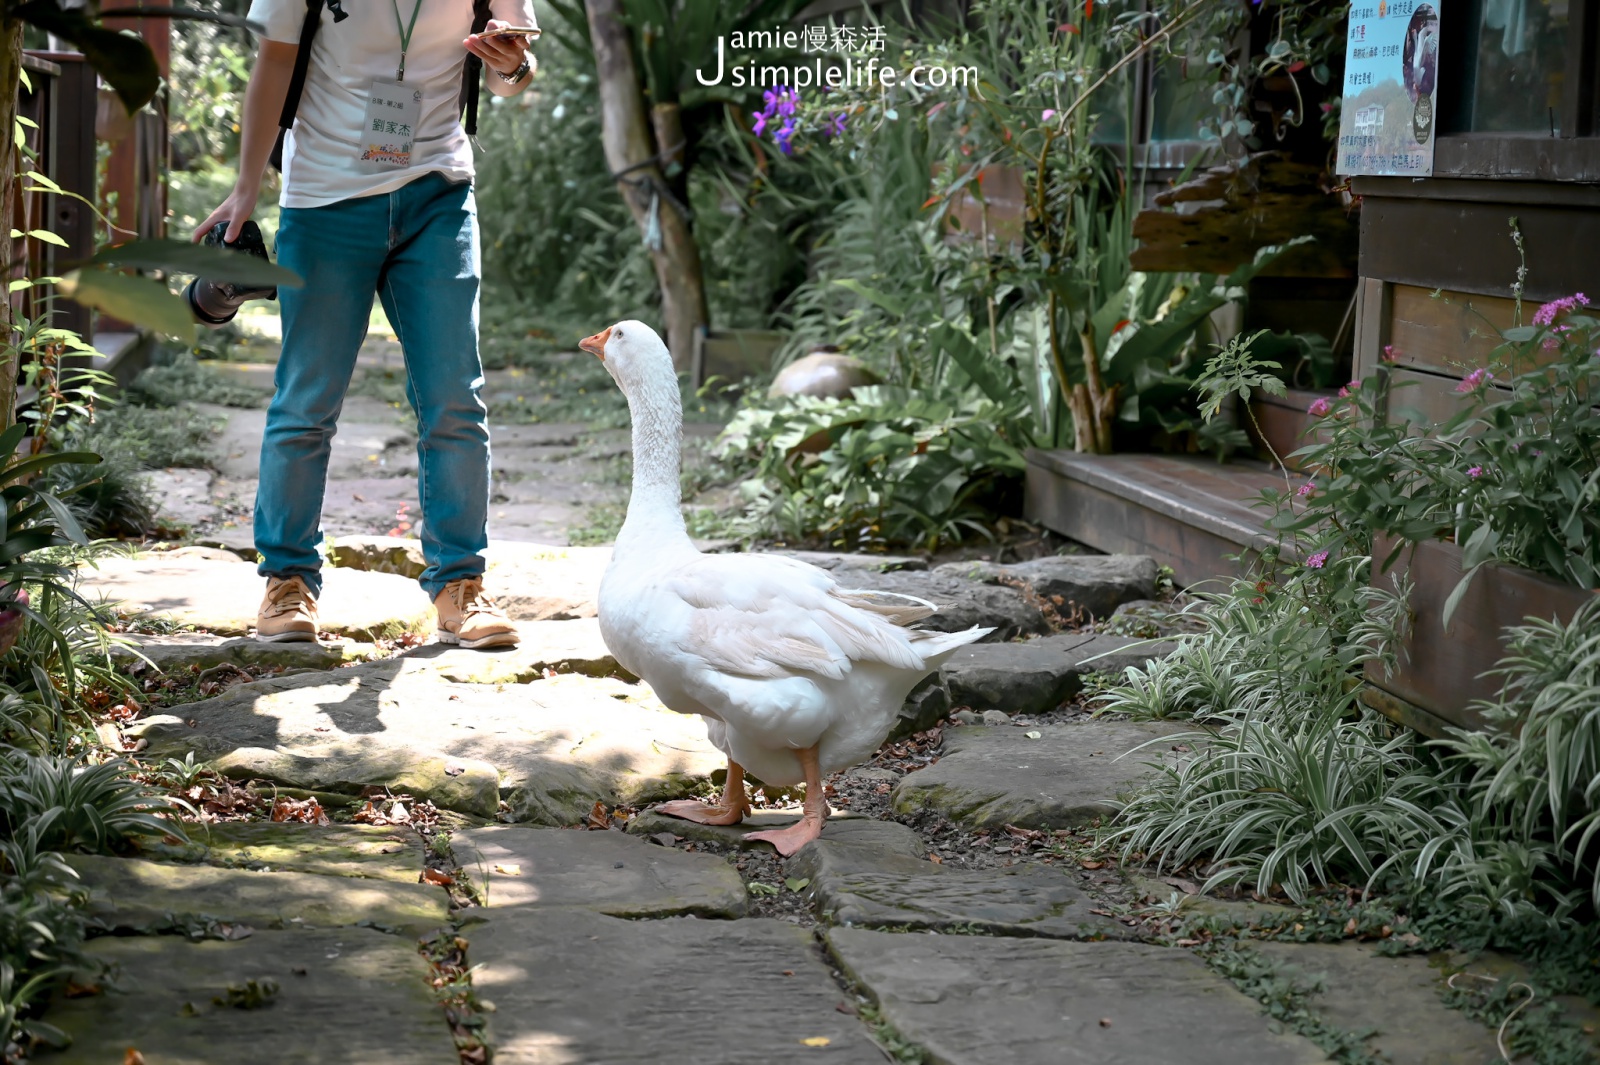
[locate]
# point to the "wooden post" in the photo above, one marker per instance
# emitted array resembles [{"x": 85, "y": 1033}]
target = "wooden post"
[
  {"x": 10, "y": 86},
  {"x": 631, "y": 153}
]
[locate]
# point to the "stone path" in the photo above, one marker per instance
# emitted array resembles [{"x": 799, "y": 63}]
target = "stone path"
[{"x": 669, "y": 942}]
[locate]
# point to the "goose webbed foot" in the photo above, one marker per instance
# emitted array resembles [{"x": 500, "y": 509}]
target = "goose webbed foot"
[
  {"x": 728, "y": 810},
  {"x": 815, "y": 811}
]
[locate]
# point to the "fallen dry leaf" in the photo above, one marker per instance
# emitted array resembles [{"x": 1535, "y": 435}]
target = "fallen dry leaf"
[
  {"x": 1087, "y": 864},
  {"x": 132, "y": 1057},
  {"x": 308, "y": 811},
  {"x": 437, "y": 877},
  {"x": 816, "y": 1041},
  {"x": 599, "y": 818},
  {"x": 509, "y": 869}
]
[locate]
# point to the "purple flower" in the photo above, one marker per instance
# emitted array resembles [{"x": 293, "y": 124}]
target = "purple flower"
[
  {"x": 1474, "y": 472},
  {"x": 834, "y": 127},
  {"x": 760, "y": 125},
  {"x": 1306, "y": 489},
  {"x": 1474, "y": 380},
  {"x": 1549, "y": 312},
  {"x": 1316, "y": 561},
  {"x": 1319, "y": 407}
]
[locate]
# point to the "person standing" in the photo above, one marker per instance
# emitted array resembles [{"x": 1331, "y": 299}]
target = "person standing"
[{"x": 377, "y": 200}]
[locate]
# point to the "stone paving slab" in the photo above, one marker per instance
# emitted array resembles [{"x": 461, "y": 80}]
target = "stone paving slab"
[
  {"x": 515, "y": 867},
  {"x": 177, "y": 652},
  {"x": 352, "y": 995},
  {"x": 1035, "y": 676},
  {"x": 368, "y": 852},
  {"x": 972, "y": 1000},
  {"x": 222, "y": 597},
  {"x": 133, "y": 895},
  {"x": 570, "y": 988},
  {"x": 1097, "y": 584},
  {"x": 560, "y": 646},
  {"x": 840, "y": 824},
  {"x": 533, "y": 581},
  {"x": 182, "y": 496},
  {"x": 962, "y": 603},
  {"x": 550, "y": 749},
  {"x": 1395, "y": 999},
  {"x": 1069, "y": 776},
  {"x": 862, "y": 882}
]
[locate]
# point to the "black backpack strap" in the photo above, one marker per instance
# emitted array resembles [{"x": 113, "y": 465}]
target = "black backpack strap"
[
  {"x": 297, "y": 80},
  {"x": 472, "y": 72}
]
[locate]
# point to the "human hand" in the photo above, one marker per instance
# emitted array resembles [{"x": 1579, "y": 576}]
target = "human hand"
[
  {"x": 235, "y": 210},
  {"x": 501, "y": 54}
]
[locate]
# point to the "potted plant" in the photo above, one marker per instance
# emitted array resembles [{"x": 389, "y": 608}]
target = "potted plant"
[{"x": 1486, "y": 518}]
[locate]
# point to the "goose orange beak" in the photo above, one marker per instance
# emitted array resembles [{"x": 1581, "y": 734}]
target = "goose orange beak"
[{"x": 596, "y": 345}]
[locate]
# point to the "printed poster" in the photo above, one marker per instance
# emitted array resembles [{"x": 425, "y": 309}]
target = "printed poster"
[{"x": 1391, "y": 84}]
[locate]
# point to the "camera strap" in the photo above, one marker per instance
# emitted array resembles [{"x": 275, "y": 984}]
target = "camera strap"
[{"x": 471, "y": 74}]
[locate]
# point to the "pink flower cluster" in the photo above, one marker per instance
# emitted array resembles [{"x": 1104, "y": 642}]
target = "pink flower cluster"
[
  {"x": 1319, "y": 407},
  {"x": 1306, "y": 489},
  {"x": 1555, "y": 308},
  {"x": 1475, "y": 472},
  {"x": 1353, "y": 386},
  {"x": 1475, "y": 380},
  {"x": 1390, "y": 354},
  {"x": 1317, "y": 561}
]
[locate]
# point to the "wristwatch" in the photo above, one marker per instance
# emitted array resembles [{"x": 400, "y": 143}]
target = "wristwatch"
[{"x": 518, "y": 74}]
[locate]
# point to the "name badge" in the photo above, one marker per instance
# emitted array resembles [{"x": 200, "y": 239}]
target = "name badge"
[{"x": 386, "y": 135}]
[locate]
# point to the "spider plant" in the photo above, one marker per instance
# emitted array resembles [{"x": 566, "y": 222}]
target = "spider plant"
[
  {"x": 1284, "y": 807},
  {"x": 60, "y": 803}
]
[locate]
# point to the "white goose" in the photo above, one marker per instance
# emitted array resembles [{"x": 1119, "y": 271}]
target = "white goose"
[{"x": 796, "y": 677}]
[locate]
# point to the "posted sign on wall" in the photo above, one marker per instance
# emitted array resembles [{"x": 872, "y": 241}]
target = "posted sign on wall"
[{"x": 1391, "y": 83}]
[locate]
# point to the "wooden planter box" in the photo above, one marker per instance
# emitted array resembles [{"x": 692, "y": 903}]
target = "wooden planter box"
[
  {"x": 1283, "y": 422},
  {"x": 1441, "y": 671}
]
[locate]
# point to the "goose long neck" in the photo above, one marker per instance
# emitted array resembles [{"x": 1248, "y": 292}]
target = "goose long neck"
[{"x": 655, "y": 514}]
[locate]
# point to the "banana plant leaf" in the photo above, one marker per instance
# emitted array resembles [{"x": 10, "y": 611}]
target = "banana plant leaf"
[
  {"x": 183, "y": 257},
  {"x": 1151, "y": 348}
]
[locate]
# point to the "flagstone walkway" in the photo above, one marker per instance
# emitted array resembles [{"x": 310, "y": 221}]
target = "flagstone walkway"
[{"x": 540, "y": 912}]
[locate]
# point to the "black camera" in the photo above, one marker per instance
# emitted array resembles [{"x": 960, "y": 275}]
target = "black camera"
[{"x": 215, "y": 303}]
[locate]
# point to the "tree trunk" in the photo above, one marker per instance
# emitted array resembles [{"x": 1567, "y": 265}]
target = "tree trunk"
[
  {"x": 1093, "y": 405},
  {"x": 631, "y": 152},
  {"x": 10, "y": 86}
]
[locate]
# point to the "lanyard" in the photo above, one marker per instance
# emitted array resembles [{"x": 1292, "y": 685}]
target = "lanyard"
[{"x": 405, "y": 36}]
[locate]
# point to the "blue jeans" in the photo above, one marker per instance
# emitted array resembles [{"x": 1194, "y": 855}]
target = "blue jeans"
[{"x": 417, "y": 248}]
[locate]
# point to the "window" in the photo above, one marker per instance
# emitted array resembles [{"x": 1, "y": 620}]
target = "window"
[{"x": 1515, "y": 80}]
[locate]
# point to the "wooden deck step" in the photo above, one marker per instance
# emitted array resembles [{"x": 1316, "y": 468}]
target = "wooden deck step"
[{"x": 1186, "y": 511}]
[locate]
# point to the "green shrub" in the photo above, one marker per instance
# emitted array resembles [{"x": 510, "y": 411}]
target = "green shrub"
[
  {"x": 157, "y": 437},
  {"x": 556, "y": 233},
  {"x": 179, "y": 378},
  {"x": 897, "y": 467}
]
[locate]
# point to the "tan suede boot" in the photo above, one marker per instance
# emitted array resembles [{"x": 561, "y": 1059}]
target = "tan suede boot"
[
  {"x": 470, "y": 618},
  {"x": 288, "y": 612}
]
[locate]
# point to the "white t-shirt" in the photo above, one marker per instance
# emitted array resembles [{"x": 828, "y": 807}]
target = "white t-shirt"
[{"x": 321, "y": 153}]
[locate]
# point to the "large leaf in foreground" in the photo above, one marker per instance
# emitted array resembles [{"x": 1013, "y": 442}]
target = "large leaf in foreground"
[{"x": 133, "y": 299}]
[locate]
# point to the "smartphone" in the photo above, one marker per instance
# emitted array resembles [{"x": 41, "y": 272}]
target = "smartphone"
[{"x": 531, "y": 32}]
